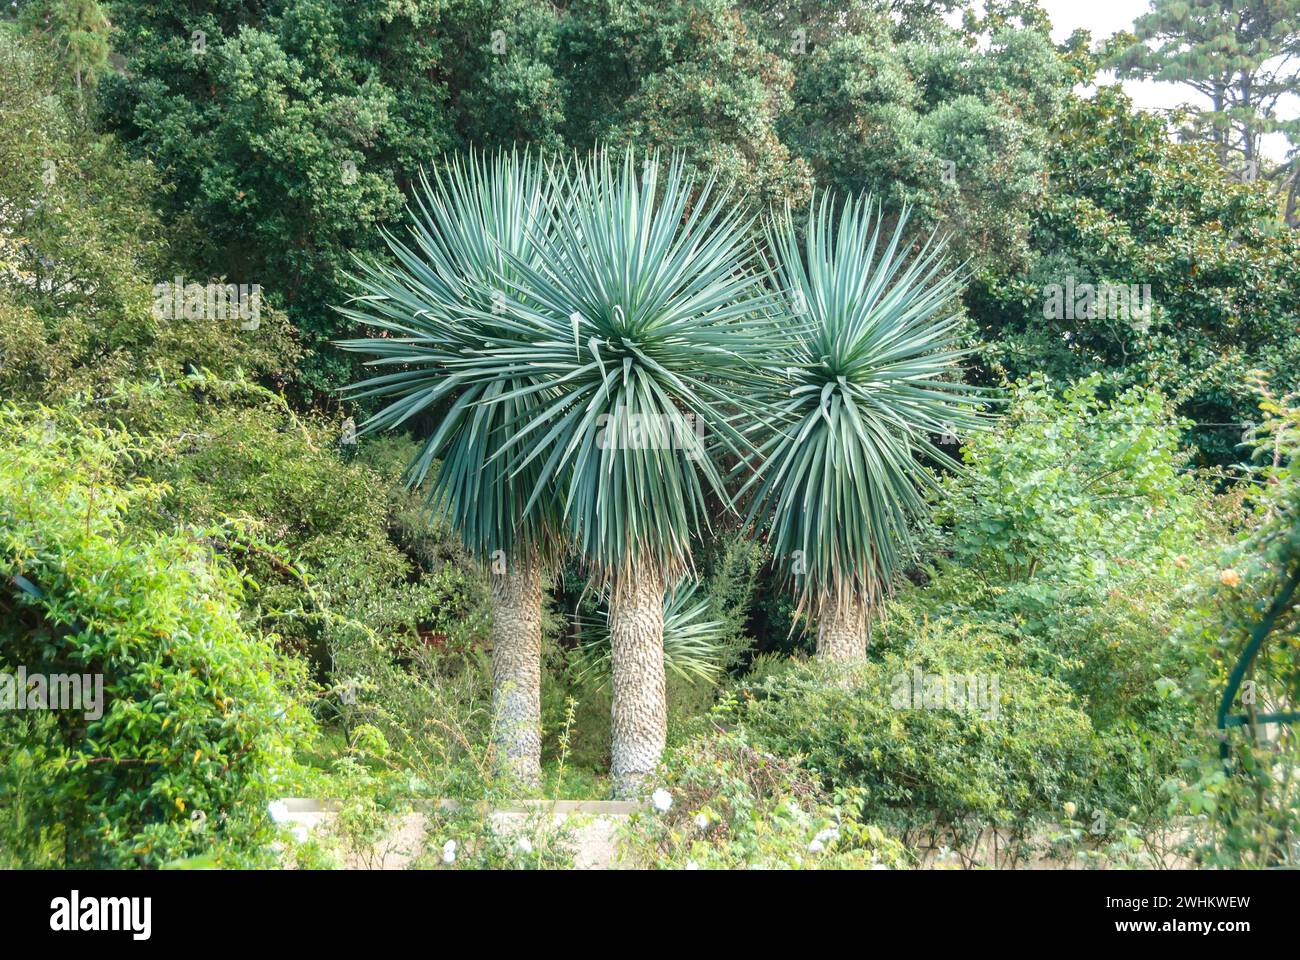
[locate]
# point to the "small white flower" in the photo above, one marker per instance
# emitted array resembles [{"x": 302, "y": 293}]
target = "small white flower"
[
  {"x": 816, "y": 846},
  {"x": 692, "y": 865},
  {"x": 828, "y": 835},
  {"x": 702, "y": 821},
  {"x": 279, "y": 811},
  {"x": 662, "y": 799},
  {"x": 524, "y": 846},
  {"x": 449, "y": 852}
]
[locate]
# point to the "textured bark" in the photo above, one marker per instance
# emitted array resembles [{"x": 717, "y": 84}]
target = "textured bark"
[
  {"x": 842, "y": 628},
  {"x": 516, "y": 672},
  {"x": 640, "y": 711}
]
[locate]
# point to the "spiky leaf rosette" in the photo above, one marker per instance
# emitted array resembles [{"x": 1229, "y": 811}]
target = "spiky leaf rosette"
[
  {"x": 694, "y": 641},
  {"x": 474, "y": 227},
  {"x": 640, "y": 318},
  {"x": 870, "y": 378}
]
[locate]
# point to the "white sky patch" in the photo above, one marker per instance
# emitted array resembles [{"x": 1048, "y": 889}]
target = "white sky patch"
[{"x": 1102, "y": 18}]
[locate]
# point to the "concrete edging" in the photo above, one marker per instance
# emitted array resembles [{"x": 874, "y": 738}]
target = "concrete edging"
[{"x": 607, "y": 808}]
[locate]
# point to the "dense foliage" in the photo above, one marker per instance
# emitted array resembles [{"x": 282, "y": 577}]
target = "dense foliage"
[
  {"x": 289, "y": 131},
  {"x": 186, "y": 507},
  {"x": 1245, "y": 783},
  {"x": 195, "y": 718},
  {"x": 1212, "y": 269},
  {"x": 1007, "y": 749}
]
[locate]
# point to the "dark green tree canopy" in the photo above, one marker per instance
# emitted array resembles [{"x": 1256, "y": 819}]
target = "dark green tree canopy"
[
  {"x": 291, "y": 130},
  {"x": 1128, "y": 209}
]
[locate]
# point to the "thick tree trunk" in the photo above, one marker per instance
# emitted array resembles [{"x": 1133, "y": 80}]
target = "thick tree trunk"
[
  {"x": 842, "y": 628},
  {"x": 516, "y": 672},
  {"x": 640, "y": 710}
]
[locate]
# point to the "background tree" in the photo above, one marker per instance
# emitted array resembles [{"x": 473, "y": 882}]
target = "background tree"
[
  {"x": 81, "y": 248},
  {"x": 1125, "y": 207},
  {"x": 956, "y": 130},
  {"x": 293, "y": 129},
  {"x": 796, "y": 28},
  {"x": 76, "y": 30},
  {"x": 687, "y": 75},
  {"x": 1243, "y": 57}
]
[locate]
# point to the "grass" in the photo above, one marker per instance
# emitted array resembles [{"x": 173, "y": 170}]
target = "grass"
[
  {"x": 568, "y": 782},
  {"x": 574, "y": 783}
]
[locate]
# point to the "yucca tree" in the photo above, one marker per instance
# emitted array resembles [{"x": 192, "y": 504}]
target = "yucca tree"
[
  {"x": 870, "y": 375},
  {"x": 638, "y": 319},
  {"x": 695, "y": 644},
  {"x": 474, "y": 228}
]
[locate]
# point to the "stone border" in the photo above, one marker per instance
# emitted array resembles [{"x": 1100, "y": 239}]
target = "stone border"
[{"x": 605, "y": 808}]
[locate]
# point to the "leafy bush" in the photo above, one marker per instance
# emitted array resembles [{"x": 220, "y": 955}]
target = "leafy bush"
[
  {"x": 1073, "y": 530},
  {"x": 326, "y": 529},
  {"x": 1247, "y": 797},
  {"x": 932, "y": 764},
  {"x": 731, "y": 804},
  {"x": 199, "y": 717},
  {"x": 431, "y": 705},
  {"x": 1069, "y": 490},
  {"x": 81, "y": 250}
]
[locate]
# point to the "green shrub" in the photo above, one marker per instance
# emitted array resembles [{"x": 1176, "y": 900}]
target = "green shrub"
[
  {"x": 1073, "y": 531},
  {"x": 935, "y": 762},
  {"x": 198, "y": 712},
  {"x": 1247, "y": 798},
  {"x": 730, "y": 804},
  {"x": 1069, "y": 491},
  {"x": 432, "y": 706},
  {"x": 326, "y": 529}
]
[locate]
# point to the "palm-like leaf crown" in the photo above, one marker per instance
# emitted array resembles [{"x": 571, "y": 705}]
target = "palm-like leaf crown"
[
  {"x": 639, "y": 318},
  {"x": 869, "y": 379},
  {"x": 475, "y": 227}
]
